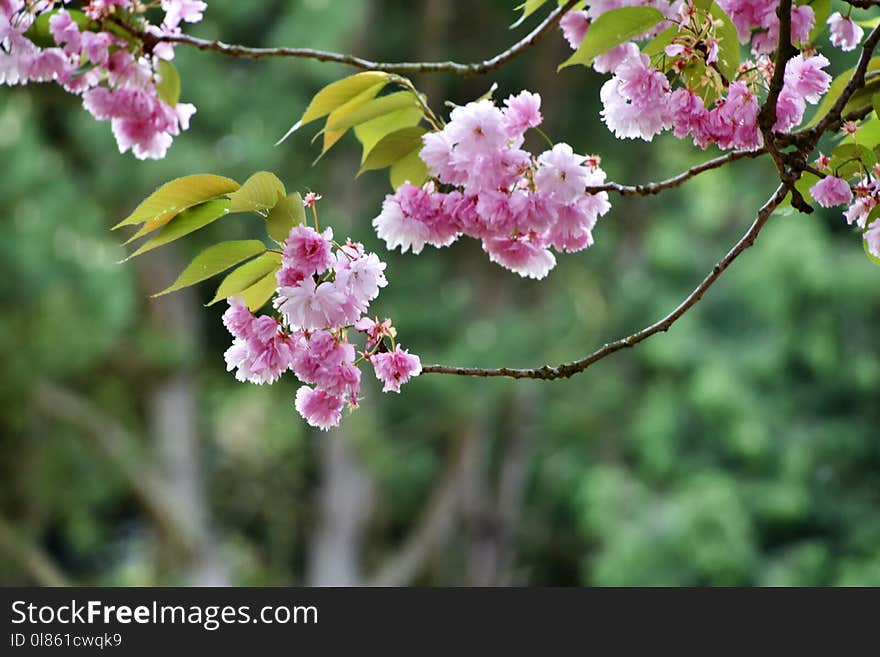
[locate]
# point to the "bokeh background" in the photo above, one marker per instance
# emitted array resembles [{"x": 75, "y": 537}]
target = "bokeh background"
[{"x": 740, "y": 448}]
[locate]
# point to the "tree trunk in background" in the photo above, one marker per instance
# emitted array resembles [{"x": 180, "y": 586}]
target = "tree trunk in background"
[
  {"x": 344, "y": 503},
  {"x": 173, "y": 421}
]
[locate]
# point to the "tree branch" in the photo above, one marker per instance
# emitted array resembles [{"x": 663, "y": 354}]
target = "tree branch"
[
  {"x": 567, "y": 370},
  {"x": 475, "y": 68},
  {"x": 651, "y": 188}
]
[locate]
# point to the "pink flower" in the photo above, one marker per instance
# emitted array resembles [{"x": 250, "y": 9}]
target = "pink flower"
[
  {"x": 845, "y": 33},
  {"x": 65, "y": 32},
  {"x": 561, "y": 174},
  {"x": 521, "y": 255},
  {"x": 262, "y": 355},
  {"x": 790, "y": 109},
  {"x": 307, "y": 252},
  {"x": 404, "y": 229},
  {"x": 574, "y": 26},
  {"x": 238, "y": 319},
  {"x": 522, "y": 112},
  {"x": 609, "y": 61},
  {"x": 636, "y": 100},
  {"x": 319, "y": 408},
  {"x": 831, "y": 191},
  {"x": 805, "y": 77},
  {"x": 310, "y": 307},
  {"x": 477, "y": 128},
  {"x": 394, "y": 368},
  {"x": 361, "y": 278}
]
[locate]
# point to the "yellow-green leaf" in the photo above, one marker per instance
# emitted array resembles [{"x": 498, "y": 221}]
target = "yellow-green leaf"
[
  {"x": 337, "y": 115},
  {"x": 371, "y": 132},
  {"x": 409, "y": 168},
  {"x": 179, "y": 194},
  {"x": 393, "y": 147},
  {"x": 728, "y": 43},
  {"x": 168, "y": 87},
  {"x": 612, "y": 29},
  {"x": 529, "y": 7},
  {"x": 336, "y": 94},
  {"x": 256, "y": 296},
  {"x": 836, "y": 89},
  {"x": 286, "y": 214},
  {"x": 259, "y": 193},
  {"x": 186, "y": 222},
  {"x": 375, "y": 108},
  {"x": 214, "y": 260},
  {"x": 245, "y": 276}
]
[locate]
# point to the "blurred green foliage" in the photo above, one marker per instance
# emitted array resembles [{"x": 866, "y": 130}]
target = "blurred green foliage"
[{"x": 740, "y": 448}]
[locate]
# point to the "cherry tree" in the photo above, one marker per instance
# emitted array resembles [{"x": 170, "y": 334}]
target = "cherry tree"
[{"x": 736, "y": 76}]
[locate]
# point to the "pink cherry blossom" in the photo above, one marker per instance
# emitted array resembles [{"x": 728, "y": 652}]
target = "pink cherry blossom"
[
  {"x": 574, "y": 25},
  {"x": 394, "y": 368},
  {"x": 805, "y": 77},
  {"x": 520, "y": 254},
  {"x": 831, "y": 191},
  {"x": 846, "y": 34},
  {"x": 307, "y": 252},
  {"x": 872, "y": 238},
  {"x": 521, "y": 113},
  {"x": 560, "y": 174},
  {"x": 319, "y": 408}
]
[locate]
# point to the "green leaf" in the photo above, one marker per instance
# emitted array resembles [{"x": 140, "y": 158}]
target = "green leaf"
[
  {"x": 371, "y": 132},
  {"x": 870, "y": 255},
  {"x": 178, "y": 195},
  {"x": 337, "y": 94},
  {"x": 702, "y": 4},
  {"x": 836, "y": 89},
  {"x": 529, "y": 7},
  {"x": 168, "y": 87},
  {"x": 864, "y": 97},
  {"x": 40, "y": 35},
  {"x": 658, "y": 44},
  {"x": 258, "y": 294},
  {"x": 821, "y": 10},
  {"x": 728, "y": 43},
  {"x": 611, "y": 29},
  {"x": 247, "y": 275},
  {"x": 214, "y": 260},
  {"x": 259, "y": 193},
  {"x": 286, "y": 214},
  {"x": 853, "y": 152},
  {"x": 375, "y": 108},
  {"x": 393, "y": 147},
  {"x": 185, "y": 223},
  {"x": 340, "y": 113},
  {"x": 410, "y": 168}
]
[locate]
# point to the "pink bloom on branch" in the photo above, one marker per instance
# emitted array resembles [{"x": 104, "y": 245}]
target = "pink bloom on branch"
[
  {"x": 831, "y": 191},
  {"x": 846, "y": 34},
  {"x": 805, "y": 77},
  {"x": 319, "y": 408},
  {"x": 521, "y": 255},
  {"x": 394, "y": 368},
  {"x": 307, "y": 252},
  {"x": 574, "y": 25},
  {"x": 521, "y": 113},
  {"x": 561, "y": 174}
]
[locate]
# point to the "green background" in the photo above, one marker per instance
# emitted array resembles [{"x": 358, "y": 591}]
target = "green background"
[{"x": 740, "y": 448}]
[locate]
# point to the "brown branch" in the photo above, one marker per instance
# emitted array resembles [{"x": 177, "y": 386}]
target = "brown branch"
[
  {"x": 567, "y": 370},
  {"x": 475, "y": 68},
  {"x": 767, "y": 116},
  {"x": 651, "y": 188}
]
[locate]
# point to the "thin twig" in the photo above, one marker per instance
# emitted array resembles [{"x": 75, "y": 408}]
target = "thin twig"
[
  {"x": 566, "y": 370},
  {"x": 651, "y": 188},
  {"x": 475, "y": 68}
]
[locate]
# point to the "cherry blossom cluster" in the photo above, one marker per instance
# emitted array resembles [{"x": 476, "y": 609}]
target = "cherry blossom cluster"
[
  {"x": 98, "y": 54},
  {"x": 324, "y": 291},
  {"x": 639, "y": 101},
  {"x": 487, "y": 187},
  {"x": 862, "y": 201}
]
